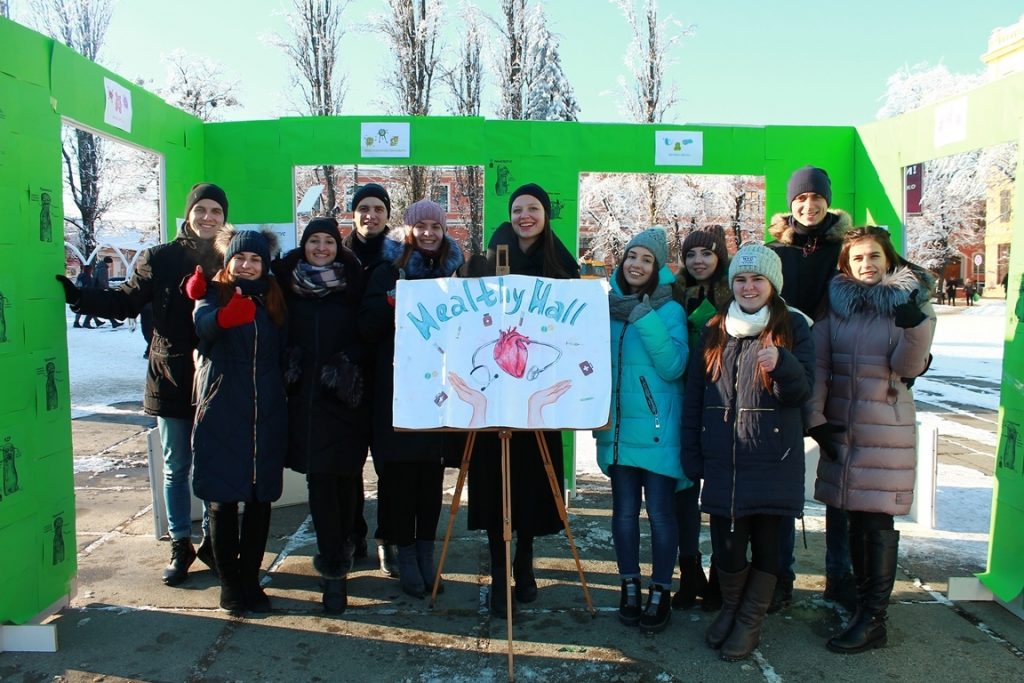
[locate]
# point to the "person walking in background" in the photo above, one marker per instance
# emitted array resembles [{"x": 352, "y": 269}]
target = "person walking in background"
[
  {"x": 875, "y": 338},
  {"x": 157, "y": 280},
  {"x": 807, "y": 242},
  {"x": 753, "y": 373},
  {"x": 701, "y": 286},
  {"x": 409, "y": 464},
  {"x": 969, "y": 291},
  {"x": 101, "y": 280},
  {"x": 640, "y": 452},
  {"x": 241, "y": 427},
  {"x": 951, "y": 292},
  {"x": 328, "y": 420},
  {"x": 84, "y": 281}
]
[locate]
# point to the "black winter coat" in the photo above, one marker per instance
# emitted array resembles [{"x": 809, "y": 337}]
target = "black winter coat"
[
  {"x": 377, "y": 327},
  {"x": 241, "y": 427},
  {"x": 808, "y": 260},
  {"x": 533, "y": 507},
  {"x": 325, "y": 434},
  {"x": 159, "y": 273},
  {"x": 745, "y": 442}
]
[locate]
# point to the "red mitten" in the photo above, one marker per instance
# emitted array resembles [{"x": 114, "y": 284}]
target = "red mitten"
[
  {"x": 195, "y": 285},
  {"x": 239, "y": 311}
]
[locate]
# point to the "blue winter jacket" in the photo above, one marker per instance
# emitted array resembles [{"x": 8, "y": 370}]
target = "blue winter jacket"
[
  {"x": 745, "y": 441},
  {"x": 240, "y": 436},
  {"x": 648, "y": 366}
]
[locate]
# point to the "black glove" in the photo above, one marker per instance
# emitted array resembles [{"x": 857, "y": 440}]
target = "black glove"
[
  {"x": 909, "y": 314},
  {"x": 822, "y": 434},
  {"x": 344, "y": 379},
  {"x": 71, "y": 293}
]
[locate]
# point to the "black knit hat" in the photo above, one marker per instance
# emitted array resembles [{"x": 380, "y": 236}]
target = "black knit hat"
[
  {"x": 251, "y": 241},
  {"x": 326, "y": 225},
  {"x": 372, "y": 190},
  {"x": 534, "y": 190},
  {"x": 202, "y": 191},
  {"x": 809, "y": 179},
  {"x": 711, "y": 237}
]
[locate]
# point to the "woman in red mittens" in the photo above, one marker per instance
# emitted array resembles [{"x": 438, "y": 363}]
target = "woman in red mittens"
[{"x": 241, "y": 428}]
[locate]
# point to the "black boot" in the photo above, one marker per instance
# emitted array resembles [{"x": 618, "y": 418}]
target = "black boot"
[
  {"x": 783, "y": 595},
  {"x": 746, "y": 630},
  {"x": 629, "y": 602},
  {"x": 842, "y": 590},
  {"x": 182, "y": 557},
  {"x": 425, "y": 562},
  {"x": 224, "y": 536},
  {"x": 867, "y": 629},
  {"x": 692, "y": 583},
  {"x": 333, "y": 582},
  {"x": 409, "y": 571},
  {"x": 658, "y": 611},
  {"x": 387, "y": 553},
  {"x": 255, "y": 529},
  {"x": 204, "y": 553},
  {"x": 712, "y": 600},
  {"x": 732, "y": 585},
  {"x": 522, "y": 570}
]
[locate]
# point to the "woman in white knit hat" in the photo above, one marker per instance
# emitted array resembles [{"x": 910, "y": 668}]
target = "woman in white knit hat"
[{"x": 743, "y": 434}]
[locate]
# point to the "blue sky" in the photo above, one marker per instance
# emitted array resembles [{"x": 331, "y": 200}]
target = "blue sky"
[{"x": 748, "y": 62}]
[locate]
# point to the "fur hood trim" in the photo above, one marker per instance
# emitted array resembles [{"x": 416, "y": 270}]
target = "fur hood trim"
[
  {"x": 417, "y": 267},
  {"x": 224, "y": 235},
  {"x": 848, "y": 297},
  {"x": 781, "y": 227}
]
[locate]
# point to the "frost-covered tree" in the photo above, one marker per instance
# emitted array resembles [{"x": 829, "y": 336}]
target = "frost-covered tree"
[
  {"x": 511, "y": 53},
  {"x": 198, "y": 86},
  {"x": 313, "y": 45},
  {"x": 82, "y": 26},
  {"x": 919, "y": 85}
]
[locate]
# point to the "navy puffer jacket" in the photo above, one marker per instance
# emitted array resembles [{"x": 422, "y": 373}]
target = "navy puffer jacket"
[{"x": 746, "y": 442}]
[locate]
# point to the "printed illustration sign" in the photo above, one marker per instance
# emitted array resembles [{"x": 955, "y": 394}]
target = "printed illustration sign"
[
  {"x": 385, "y": 139},
  {"x": 678, "y": 148},
  {"x": 118, "y": 111},
  {"x": 513, "y": 351},
  {"x": 951, "y": 122}
]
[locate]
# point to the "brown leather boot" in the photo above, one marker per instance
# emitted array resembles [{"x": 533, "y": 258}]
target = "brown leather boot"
[
  {"x": 746, "y": 631},
  {"x": 731, "y": 585}
]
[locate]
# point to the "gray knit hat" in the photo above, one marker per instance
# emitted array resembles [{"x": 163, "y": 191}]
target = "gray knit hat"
[
  {"x": 425, "y": 210},
  {"x": 654, "y": 240},
  {"x": 757, "y": 258}
]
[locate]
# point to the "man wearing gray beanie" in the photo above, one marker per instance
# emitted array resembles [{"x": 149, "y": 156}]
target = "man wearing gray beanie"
[{"x": 808, "y": 241}]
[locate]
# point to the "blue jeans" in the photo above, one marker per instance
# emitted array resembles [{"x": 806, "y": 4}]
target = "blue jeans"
[
  {"x": 176, "y": 440},
  {"x": 628, "y": 484},
  {"x": 837, "y": 542}
]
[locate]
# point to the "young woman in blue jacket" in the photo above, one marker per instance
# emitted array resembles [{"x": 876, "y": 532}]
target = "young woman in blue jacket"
[
  {"x": 640, "y": 452},
  {"x": 743, "y": 433}
]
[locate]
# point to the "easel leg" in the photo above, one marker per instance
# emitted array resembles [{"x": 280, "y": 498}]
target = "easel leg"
[
  {"x": 467, "y": 454},
  {"x": 506, "y": 530},
  {"x": 556, "y": 491}
]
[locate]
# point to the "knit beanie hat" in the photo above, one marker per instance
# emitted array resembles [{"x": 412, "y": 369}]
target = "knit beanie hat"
[
  {"x": 809, "y": 179},
  {"x": 654, "y": 240},
  {"x": 251, "y": 241},
  {"x": 711, "y": 237},
  {"x": 425, "y": 210},
  {"x": 372, "y": 190},
  {"x": 534, "y": 190},
  {"x": 202, "y": 191},
  {"x": 757, "y": 258},
  {"x": 326, "y": 225}
]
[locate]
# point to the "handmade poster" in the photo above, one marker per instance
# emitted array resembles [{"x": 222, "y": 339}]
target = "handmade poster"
[
  {"x": 678, "y": 148},
  {"x": 118, "y": 109},
  {"x": 512, "y": 351},
  {"x": 384, "y": 139}
]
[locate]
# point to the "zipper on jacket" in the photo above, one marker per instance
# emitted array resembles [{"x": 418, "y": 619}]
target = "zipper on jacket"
[
  {"x": 618, "y": 400},
  {"x": 255, "y": 396},
  {"x": 651, "y": 405},
  {"x": 735, "y": 420}
]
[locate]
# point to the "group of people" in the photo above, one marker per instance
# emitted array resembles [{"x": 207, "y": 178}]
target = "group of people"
[
  {"x": 94, "y": 277},
  {"x": 718, "y": 373}
]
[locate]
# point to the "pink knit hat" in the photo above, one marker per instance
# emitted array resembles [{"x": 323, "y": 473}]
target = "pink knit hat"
[{"x": 425, "y": 210}]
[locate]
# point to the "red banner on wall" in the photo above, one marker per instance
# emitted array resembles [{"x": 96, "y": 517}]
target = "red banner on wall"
[{"x": 912, "y": 181}]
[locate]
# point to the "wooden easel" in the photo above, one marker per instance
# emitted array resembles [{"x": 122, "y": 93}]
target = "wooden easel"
[{"x": 505, "y": 436}]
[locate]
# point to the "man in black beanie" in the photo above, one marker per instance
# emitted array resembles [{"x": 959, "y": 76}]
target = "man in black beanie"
[
  {"x": 158, "y": 277},
  {"x": 808, "y": 241}
]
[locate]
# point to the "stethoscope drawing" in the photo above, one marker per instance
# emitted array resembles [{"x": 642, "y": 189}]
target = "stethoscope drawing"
[{"x": 484, "y": 374}]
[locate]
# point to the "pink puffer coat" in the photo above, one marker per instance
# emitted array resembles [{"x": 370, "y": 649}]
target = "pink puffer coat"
[{"x": 863, "y": 359}]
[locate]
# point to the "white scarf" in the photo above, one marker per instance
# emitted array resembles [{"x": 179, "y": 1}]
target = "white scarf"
[{"x": 740, "y": 324}]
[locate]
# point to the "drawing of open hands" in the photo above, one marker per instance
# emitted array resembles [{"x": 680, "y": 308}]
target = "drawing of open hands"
[
  {"x": 544, "y": 397},
  {"x": 476, "y": 400}
]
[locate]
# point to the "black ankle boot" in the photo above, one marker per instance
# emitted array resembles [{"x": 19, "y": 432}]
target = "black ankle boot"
[
  {"x": 692, "y": 583},
  {"x": 629, "y": 602},
  {"x": 335, "y": 597},
  {"x": 182, "y": 557},
  {"x": 658, "y": 611},
  {"x": 522, "y": 570}
]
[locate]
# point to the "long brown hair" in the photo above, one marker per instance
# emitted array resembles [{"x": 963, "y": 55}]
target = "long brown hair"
[
  {"x": 553, "y": 267},
  {"x": 879, "y": 236},
  {"x": 274, "y": 300},
  {"x": 778, "y": 332}
]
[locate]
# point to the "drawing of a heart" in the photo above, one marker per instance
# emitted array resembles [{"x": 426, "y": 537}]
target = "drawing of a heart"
[{"x": 510, "y": 352}]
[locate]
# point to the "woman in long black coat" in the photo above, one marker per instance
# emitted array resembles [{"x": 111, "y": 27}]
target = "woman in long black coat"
[
  {"x": 328, "y": 430},
  {"x": 534, "y": 250}
]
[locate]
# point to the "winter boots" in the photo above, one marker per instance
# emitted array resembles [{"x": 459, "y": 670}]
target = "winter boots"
[
  {"x": 629, "y": 602},
  {"x": 867, "y": 629},
  {"x": 182, "y": 557},
  {"x": 387, "y": 553},
  {"x": 425, "y": 562},
  {"x": 732, "y": 584},
  {"x": 658, "y": 611},
  {"x": 333, "y": 582},
  {"x": 692, "y": 583},
  {"x": 255, "y": 529},
  {"x": 746, "y": 629},
  {"x": 522, "y": 570},
  {"x": 841, "y": 590},
  {"x": 224, "y": 536},
  {"x": 409, "y": 571},
  {"x": 712, "y": 600},
  {"x": 204, "y": 553},
  {"x": 782, "y": 597}
]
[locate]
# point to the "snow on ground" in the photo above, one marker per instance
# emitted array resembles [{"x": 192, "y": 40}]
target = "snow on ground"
[{"x": 106, "y": 367}]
